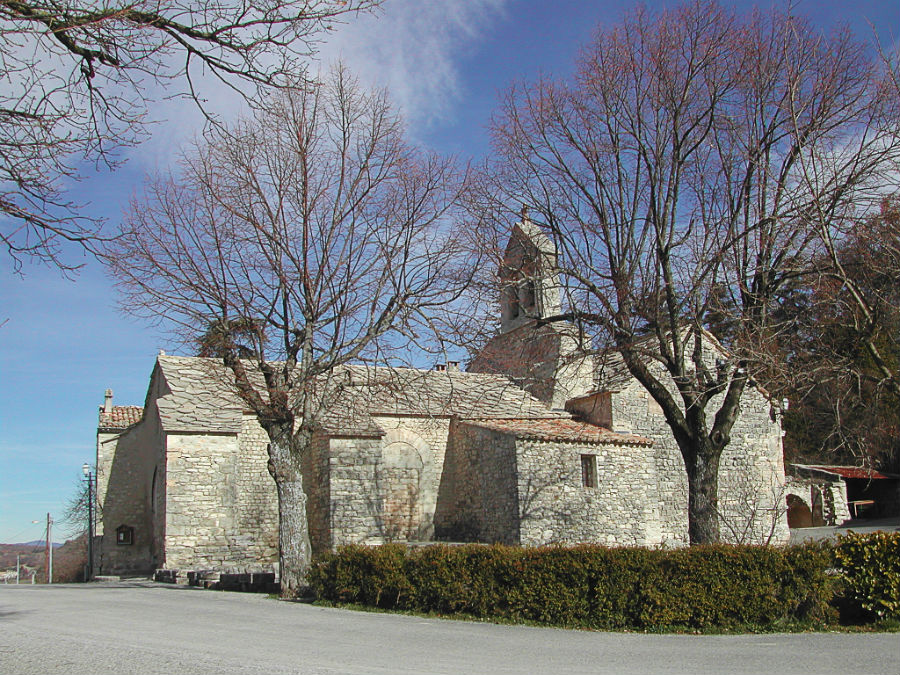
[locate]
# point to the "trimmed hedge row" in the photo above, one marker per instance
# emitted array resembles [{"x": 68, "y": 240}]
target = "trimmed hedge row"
[
  {"x": 587, "y": 586},
  {"x": 870, "y": 572}
]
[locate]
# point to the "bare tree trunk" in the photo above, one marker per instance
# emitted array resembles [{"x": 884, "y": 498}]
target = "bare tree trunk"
[
  {"x": 293, "y": 527},
  {"x": 702, "y": 464}
]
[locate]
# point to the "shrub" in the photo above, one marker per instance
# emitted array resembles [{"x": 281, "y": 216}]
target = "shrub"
[
  {"x": 587, "y": 586},
  {"x": 870, "y": 572}
]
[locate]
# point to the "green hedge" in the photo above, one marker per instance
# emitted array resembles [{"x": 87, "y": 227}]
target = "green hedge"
[
  {"x": 587, "y": 586},
  {"x": 870, "y": 572}
]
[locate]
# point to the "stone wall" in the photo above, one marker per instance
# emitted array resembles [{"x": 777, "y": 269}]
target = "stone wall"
[
  {"x": 129, "y": 467},
  {"x": 751, "y": 473},
  {"x": 221, "y": 507},
  {"x": 106, "y": 451},
  {"x": 555, "y": 506},
  {"x": 355, "y": 512},
  {"x": 752, "y": 492},
  {"x": 317, "y": 485},
  {"x": 478, "y": 499},
  {"x": 519, "y": 491},
  {"x": 828, "y": 498},
  {"x": 385, "y": 489}
]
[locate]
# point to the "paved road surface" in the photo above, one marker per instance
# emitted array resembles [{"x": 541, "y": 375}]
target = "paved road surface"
[
  {"x": 859, "y": 526},
  {"x": 144, "y": 628}
]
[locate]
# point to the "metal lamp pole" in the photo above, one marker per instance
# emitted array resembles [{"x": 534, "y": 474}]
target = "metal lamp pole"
[{"x": 89, "y": 477}]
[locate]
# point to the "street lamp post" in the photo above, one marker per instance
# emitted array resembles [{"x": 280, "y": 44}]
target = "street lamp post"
[{"x": 89, "y": 477}]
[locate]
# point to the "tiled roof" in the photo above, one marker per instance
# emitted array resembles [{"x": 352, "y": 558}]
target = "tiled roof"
[
  {"x": 361, "y": 392},
  {"x": 412, "y": 391},
  {"x": 201, "y": 397},
  {"x": 120, "y": 417},
  {"x": 559, "y": 430},
  {"x": 611, "y": 373}
]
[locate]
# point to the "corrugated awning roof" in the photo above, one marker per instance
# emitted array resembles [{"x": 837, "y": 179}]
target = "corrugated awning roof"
[{"x": 850, "y": 472}]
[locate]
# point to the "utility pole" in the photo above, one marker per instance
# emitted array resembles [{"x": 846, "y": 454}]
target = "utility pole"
[
  {"x": 17, "y": 570},
  {"x": 49, "y": 550},
  {"x": 89, "y": 477}
]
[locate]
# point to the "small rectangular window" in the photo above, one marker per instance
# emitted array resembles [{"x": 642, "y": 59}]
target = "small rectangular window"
[
  {"x": 589, "y": 471},
  {"x": 124, "y": 535}
]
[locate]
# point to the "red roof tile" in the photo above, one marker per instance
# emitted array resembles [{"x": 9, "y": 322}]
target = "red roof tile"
[
  {"x": 120, "y": 417},
  {"x": 854, "y": 472},
  {"x": 565, "y": 430}
]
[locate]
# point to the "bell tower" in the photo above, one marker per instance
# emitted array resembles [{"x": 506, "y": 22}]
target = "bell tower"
[
  {"x": 529, "y": 281},
  {"x": 546, "y": 358}
]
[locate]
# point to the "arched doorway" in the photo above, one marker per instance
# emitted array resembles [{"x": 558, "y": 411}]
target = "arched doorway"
[{"x": 799, "y": 514}]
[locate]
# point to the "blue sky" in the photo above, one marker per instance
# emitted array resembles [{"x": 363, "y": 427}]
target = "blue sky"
[{"x": 63, "y": 342}]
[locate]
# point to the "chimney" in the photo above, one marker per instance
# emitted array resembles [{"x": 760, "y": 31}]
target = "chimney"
[
  {"x": 440, "y": 367},
  {"x": 453, "y": 366},
  {"x": 107, "y": 401}
]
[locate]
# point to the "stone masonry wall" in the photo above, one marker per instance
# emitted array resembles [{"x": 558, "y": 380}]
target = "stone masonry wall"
[
  {"x": 317, "y": 485},
  {"x": 751, "y": 473},
  {"x": 385, "y": 489},
  {"x": 555, "y": 506},
  {"x": 354, "y": 508},
  {"x": 106, "y": 451},
  {"x": 478, "y": 498},
  {"x": 635, "y": 411},
  {"x": 752, "y": 492},
  {"x": 127, "y": 499},
  {"x": 221, "y": 504}
]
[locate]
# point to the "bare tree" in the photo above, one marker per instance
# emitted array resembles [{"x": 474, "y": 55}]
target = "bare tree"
[
  {"x": 77, "y": 79},
  {"x": 321, "y": 234},
  {"x": 684, "y": 174},
  {"x": 845, "y": 341}
]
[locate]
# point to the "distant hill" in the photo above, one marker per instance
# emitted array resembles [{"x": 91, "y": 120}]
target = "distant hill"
[
  {"x": 68, "y": 558},
  {"x": 36, "y": 542},
  {"x": 30, "y": 554}
]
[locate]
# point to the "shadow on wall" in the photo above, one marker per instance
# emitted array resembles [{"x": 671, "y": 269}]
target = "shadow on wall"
[{"x": 128, "y": 503}]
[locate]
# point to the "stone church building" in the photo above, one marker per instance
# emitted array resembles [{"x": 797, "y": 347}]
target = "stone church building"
[{"x": 534, "y": 443}]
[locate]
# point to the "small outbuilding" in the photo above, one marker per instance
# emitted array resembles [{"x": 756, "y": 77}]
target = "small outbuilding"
[{"x": 824, "y": 494}]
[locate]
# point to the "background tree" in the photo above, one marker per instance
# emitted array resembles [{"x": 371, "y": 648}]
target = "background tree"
[
  {"x": 843, "y": 348},
  {"x": 77, "y": 79},
  {"x": 316, "y": 223},
  {"x": 685, "y": 173}
]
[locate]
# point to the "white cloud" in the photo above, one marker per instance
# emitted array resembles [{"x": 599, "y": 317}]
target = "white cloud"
[{"x": 413, "y": 48}]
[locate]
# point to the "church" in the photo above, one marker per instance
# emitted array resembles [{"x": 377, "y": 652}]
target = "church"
[{"x": 536, "y": 442}]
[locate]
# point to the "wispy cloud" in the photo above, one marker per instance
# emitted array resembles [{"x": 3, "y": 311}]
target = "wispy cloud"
[{"x": 414, "y": 48}]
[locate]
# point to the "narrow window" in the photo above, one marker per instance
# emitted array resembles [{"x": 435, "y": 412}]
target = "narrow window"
[
  {"x": 589, "y": 471},
  {"x": 526, "y": 297},
  {"x": 511, "y": 308}
]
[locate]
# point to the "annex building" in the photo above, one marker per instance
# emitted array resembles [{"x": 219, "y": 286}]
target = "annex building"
[{"x": 534, "y": 443}]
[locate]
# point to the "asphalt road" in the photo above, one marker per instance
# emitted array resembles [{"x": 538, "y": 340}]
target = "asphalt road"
[
  {"x": 864, "y": 526},
  {"x": 143, "y": 628}
]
